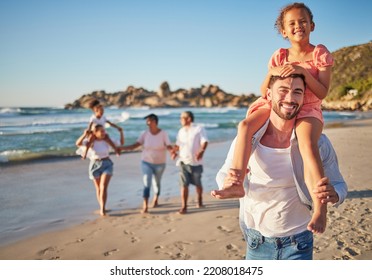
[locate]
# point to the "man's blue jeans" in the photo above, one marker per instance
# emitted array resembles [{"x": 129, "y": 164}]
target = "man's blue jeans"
[
  {"x": 151, "y": 176},
  {"x": 295, "y": 247}
]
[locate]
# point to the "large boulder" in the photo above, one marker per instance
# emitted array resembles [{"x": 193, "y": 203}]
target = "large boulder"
[{"x": 164, "y": 90}]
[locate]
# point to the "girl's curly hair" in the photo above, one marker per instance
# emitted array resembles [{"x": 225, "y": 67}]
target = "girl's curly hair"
[{"x": 279, "y": 23}]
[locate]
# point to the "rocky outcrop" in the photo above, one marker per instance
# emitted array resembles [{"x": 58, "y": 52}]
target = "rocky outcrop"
[
  {"x": 350, "y": 89},
  {"x": 164, "y": 90},
  {"x": 205, "y": 96},
  {"x": 349, "y": 103}
]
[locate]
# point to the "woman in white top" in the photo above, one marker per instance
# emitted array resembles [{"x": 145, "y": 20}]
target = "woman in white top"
[
  {"x": 154, "y": 142},
  {"x": 100, "y": 167},
  {"x": 98, "y": 117}
]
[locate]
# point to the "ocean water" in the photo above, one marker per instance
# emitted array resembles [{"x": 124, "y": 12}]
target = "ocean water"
[
  {"x": 27, "y": 133},
  {"x": 39, "y": 132}
]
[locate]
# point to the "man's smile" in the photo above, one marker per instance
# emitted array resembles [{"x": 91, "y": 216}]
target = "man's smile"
[{"x": 289, "y": 106}]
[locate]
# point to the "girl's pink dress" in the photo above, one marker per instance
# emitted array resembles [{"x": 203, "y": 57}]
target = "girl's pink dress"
[{"x": 311, "y": 108}]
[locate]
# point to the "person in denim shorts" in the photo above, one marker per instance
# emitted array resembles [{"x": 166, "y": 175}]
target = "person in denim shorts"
[
  {"x": 101, "y": 166},
  {"x": 275, "y": 211}
]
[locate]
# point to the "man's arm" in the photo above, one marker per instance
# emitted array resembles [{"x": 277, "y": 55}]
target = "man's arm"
[
  {"x": 334, "y": 191},
  {"x": 200, "y": 153},
  {"x": 174, "y": 151},
  {"x": 225, "y": 177},
  {"x": 222, "y": 173}
]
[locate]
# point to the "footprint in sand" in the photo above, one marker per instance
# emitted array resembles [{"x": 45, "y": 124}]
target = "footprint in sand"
[
  {"x": 126, "y": 232},
  {"x": 367, "y": 212},
  {"x": 158, "y": 249},
  {"x": 109, "y": 253},
  {"x": 174, "y": 251},
  {"x": 343, "y": 257},
  {"x": 351, "y": 251},
  {"x": 225, "y": 216},
  {"x": 79, "y": 240},
  {"x": 224, "y": 229},
  {"x": 51, "y": 252},
  {"x": 169, "y": 231},
  {"x": 340, "y": 244},
  {"x": 231, "y": 247},
  {"x": 135, "y": 239},
  {"x": 180, "y": 245},
  {"x": 231, "y": 250},
  {"x": 47, "y": 251},
  {"x": 180, "y": 256},
  {"x": 207, "y": 241},
  {"x": 366, "y": 227}
]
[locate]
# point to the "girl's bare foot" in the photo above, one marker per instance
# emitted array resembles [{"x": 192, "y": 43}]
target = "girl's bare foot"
[
  {"x": 234, "y": 191},
  {"x": 318, "y": 222},
  {"x": 232, "y": 186}
]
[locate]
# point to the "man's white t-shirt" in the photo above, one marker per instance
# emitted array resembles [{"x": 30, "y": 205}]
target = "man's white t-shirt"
[
  {"x": 272, "y": 205},
  {"x": 190, "y": 140}
]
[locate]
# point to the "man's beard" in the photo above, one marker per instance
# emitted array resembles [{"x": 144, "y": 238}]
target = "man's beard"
[{"x": 287, "y": 115}]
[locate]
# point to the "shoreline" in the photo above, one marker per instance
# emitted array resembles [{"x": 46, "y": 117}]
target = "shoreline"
[
  {"x": 67, "y": 153},
  {"x": 167, "y": 235},
  {"x": 76, "y": 191}
]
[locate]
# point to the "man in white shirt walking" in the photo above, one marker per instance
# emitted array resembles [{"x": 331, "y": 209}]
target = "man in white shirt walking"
[{"x": 191, "y": 144}]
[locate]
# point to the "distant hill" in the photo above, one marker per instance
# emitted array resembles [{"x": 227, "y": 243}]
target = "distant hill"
[
  {"x": 352, "y": 70},
  {"x": 350, "y": 89},
  {"x": 351, "y": 85}
]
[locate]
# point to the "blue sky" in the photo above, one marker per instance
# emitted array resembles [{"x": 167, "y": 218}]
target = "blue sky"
[{"x": 52, "y": 52}]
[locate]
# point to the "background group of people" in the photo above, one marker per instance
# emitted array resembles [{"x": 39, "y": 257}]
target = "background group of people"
[{"x": 190, "y": 146}]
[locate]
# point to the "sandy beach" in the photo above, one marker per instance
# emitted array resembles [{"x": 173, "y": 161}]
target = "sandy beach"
[{"x": 210, "y": 233}]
